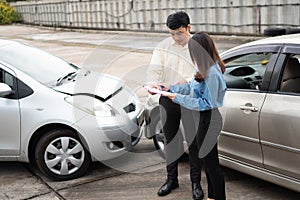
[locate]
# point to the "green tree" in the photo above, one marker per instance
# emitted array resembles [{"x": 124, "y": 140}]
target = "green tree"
[{"x": 8, "y": 14}]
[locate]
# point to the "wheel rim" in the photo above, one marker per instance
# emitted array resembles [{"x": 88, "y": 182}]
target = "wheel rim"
[
  {"x": 160, "y": 137},
  {"x": 64, "y": 155}
]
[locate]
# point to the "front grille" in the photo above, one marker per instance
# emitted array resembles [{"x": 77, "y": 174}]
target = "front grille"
[{"x": 130, "y": 108}]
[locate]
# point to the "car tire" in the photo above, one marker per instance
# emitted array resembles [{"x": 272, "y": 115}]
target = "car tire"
[
  {"x": 158, "y": 137},
  {"x": 292, "y": 30},
  {"x": 274, "y": 31},
  {"x": 62, "y": 163}
]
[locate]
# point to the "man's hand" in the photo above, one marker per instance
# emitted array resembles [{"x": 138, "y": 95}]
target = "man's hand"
[
  {"x": 164, "y": 86},
  {"x": 153, "y": 86}
]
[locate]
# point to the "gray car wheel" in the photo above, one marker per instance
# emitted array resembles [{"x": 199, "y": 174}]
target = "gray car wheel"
[{"x": 61, "y": 155}]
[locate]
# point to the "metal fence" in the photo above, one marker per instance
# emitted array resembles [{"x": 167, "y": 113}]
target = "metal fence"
[{"x": 219, "y": 16}]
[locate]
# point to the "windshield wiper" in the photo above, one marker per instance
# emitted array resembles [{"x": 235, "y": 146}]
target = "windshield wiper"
[{"x": 70, "y": 76}]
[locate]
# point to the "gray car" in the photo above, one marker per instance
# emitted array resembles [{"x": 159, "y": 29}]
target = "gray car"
[
  {"x": 62, "y": 117},
  {"x": 261, "y": 111}
]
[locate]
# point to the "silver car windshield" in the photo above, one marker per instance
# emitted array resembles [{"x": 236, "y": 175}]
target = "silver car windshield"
[{"x": 41, "y": 66}]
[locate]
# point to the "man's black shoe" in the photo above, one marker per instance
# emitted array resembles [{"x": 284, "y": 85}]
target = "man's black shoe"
[
  {"x": 197, "y": 191},
  {"x": 167, "y": 187}
]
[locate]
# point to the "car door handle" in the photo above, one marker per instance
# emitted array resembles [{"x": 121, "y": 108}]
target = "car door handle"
[{"x": 250, "y": 108}]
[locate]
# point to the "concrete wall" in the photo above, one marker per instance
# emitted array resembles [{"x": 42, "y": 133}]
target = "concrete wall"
[{"x": 219, "y": 16}]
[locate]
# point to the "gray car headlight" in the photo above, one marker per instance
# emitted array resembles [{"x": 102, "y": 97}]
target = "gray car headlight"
[{"x": 91, "y": 105}]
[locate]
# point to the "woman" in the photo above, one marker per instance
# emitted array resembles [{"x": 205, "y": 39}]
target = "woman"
[{"x": 205, "y": 94}]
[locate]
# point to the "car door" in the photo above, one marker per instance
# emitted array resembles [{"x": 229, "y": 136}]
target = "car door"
[
  {"x": 280, "y": 117},
  {"x": 247, "y": 78},
  {"x": 9, "y": 116}
]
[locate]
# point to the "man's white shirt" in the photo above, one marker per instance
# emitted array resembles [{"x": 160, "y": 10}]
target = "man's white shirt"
[{"x": 170, "y": 63}]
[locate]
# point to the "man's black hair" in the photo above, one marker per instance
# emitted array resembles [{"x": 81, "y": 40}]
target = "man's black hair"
[{"x": 177, "y": 20}]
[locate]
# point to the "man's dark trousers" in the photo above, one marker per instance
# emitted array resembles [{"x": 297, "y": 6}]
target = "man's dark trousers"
[{"x": 171, "y": 114}]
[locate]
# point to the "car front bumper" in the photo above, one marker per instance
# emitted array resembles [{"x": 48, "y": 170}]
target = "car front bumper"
[{"x": 113, "y": 138}]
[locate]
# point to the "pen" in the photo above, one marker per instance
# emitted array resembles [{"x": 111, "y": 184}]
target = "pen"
[{"x": 161, "y": 86}]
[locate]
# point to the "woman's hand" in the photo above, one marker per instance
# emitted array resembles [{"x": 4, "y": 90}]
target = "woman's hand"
[{"x": 170, "y": 96}]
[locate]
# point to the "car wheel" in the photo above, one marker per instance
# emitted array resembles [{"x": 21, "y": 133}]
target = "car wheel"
[
  {"x": 61, "y": 155},
  {"x": 159, "y": 137}
]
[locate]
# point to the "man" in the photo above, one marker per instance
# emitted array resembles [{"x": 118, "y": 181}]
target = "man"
[{"x": 171, "y": 63}]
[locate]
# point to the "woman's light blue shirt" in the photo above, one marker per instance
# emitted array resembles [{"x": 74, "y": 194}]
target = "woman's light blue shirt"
[{"x": 205, "y": 95}]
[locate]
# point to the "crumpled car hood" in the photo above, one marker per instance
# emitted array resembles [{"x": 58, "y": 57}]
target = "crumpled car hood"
[{"x": 102, "y": 86}]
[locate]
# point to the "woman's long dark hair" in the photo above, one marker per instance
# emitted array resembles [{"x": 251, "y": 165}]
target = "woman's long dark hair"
[{"x": 204, "y": 54}]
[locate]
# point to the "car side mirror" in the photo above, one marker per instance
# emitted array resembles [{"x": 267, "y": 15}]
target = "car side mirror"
[{"x": 5, "y": 90}]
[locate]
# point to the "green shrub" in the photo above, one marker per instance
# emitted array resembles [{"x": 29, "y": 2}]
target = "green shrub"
[{"x": 8, "y": 14}]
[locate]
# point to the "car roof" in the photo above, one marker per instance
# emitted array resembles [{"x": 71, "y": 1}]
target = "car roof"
[{"x": 284, "y": 39}]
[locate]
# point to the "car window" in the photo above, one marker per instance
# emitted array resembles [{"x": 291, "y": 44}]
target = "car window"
[
  {"x": 246, "y": 71},
  {"x": 20, "y": 89},
  {"x": 290, "y": 79},
  {"x": 7, "y": 78},
  {"x": 10, "y": 80}
]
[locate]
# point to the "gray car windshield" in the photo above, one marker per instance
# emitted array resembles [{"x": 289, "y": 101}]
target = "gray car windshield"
[{"x": 41, "y": 66}]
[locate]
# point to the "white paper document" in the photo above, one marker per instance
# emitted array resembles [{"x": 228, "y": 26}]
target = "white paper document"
[{"x": 155, "y": 90}]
